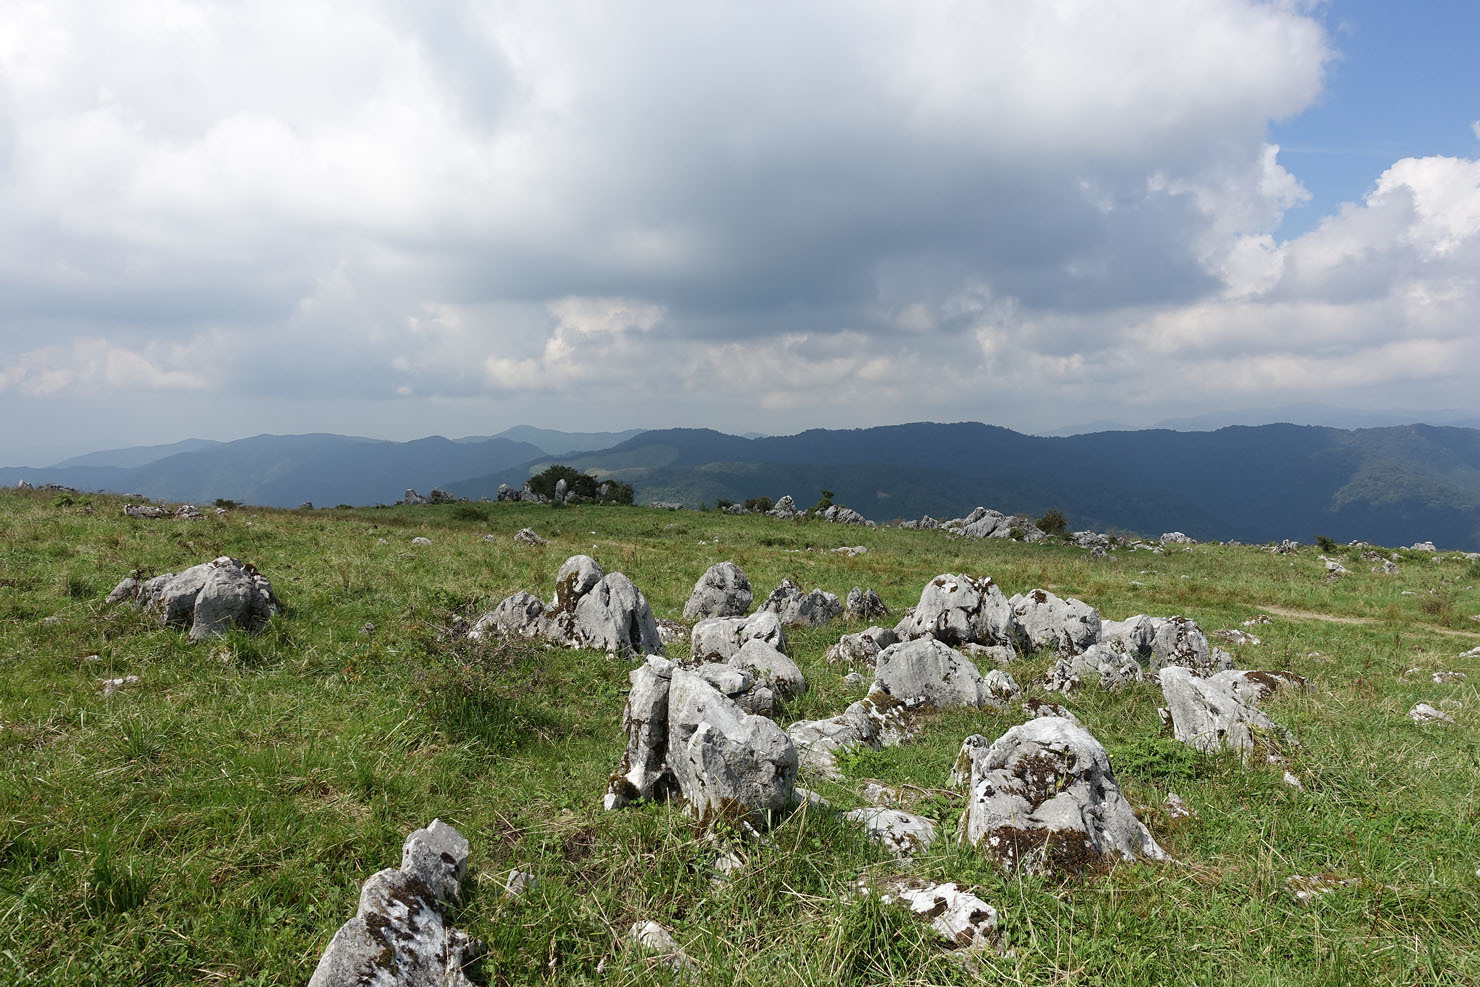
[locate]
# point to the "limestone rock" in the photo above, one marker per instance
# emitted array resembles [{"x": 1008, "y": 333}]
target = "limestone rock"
[
  {"x": 1424, "y": 713},
  {"x": 958, "y": 610},
  {"x": 1208, "y": 713},
  {"x": 1036, "y": 708},
  {"x": 728, "y": 763},
  {"x": 411, "y": 497},
  {"x": 613, "y": 617},
  {"x": 864, "y": 604},
  {"x": 818, "y": 742},
  {"x": 421, "y": 540},
  {"x": 520, "y": 615},
  {"x": 962, "y": 919},
  {"x": 813, "y": 609},
  {"x": 902, "y": 833},
  {"x": 773, "y": 667},
  {"x": 1065, "y": 625},
  {"x": 863, "y": 647},
  {"x": 1180, "y": 642},
  {"x": 721, "y": 638},
  {"x": 400, "y": 935},
  {"x": 785, "y": 508},
  {"x": 1044, "y": 797},
  {"x": 644, "y": 769},
  {"x": 838, "y": 514},
  {"x": 209, "y": 598},
  {"x": 655, "y": 939},
  {"x": 723, "y": 591},
  {"x": 927, "y": 672},
  {"x": 1108, "y": 665},
  {"x": 1175, "y": 538},
  {"x": 1137, "y": 634},
  {"x": 526, "y": 536}
]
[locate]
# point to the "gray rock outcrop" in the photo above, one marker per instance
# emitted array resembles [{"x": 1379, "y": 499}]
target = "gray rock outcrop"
[
  {"x": 785, "y": 508},
  {"x": 1211, "y": 715},
  {"x": 412, "y": 498},
  {"x": 819, "y": 742},
  {"x": 1044, "y": 798},
  {"x": 959, "y": 610},
  {"x": 526, "y": 536},
  {"x": 864, "y": 604},
  {"x": 901, "y": 833},
  {"x": 1068, "y": 626},
  {"x": 1109, "y": 665},
  {"x": 863, "y": 647},
  {"x": 838, "y": 514},
  {"x": 592, "y": 609},
  {"x": 208, "y": 599},
  {"x": 721, "y": 638},
  {"x": 1181, "y": 643},
  {"x": 795, "y": 609},
  {"x": 723, "y": 591},
  {"x": 400, "y": 934},
  {"x": 928, "y": 673},
  {"x": 520, "y": 615}
]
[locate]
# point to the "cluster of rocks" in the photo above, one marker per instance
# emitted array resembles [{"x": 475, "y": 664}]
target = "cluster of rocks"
[
  {"x": 592, "y": 609},
  {"x": 187, "y": 512},
  {"x": 786, "y": 508},
  {"x": 413, "y": 499},
  {"x": 400, "y": 933},
  {"x": 525, "y": 494},
  {"x": 985, "y": 523},
  {"x": 208, "y": 599}
]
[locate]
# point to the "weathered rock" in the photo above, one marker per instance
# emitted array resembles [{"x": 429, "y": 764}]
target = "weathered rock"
[
  {"x": 927, "y": 672},
  {"x": 1422, "y": 546},
  {"x": 838, "y": 514},
  {"x": 671, "y": 631},
  {"x": 814, "y": 609},
  {"x": 421, "y": 540},
  {"x": 520, "y": 615},
  {"x": 110, "y": 686},
  {"x": 863, "y": 647},
  {"x": 740, "y": 686},
  {"x": 400, "y": 935},
  {"x": 412, "y": 498},
  {"x": 785, "y": 508},
  {"x": 1335, "y": 570},
  {"x": 1234, "y": 636},
  {"x": 644, "y": 771},
  {"x": 721, "y": 638},
  {"x": 653, "y": 938},
  {"x": 1036, "y": 708},
  {"x": 125, "y": 590},
  {"x": 1137, "y": 634},
  {"x": 902, "y": 833},
  {"x": 723, "y": 591},
  {"x": 773, "y": 667},
  {"x": 1066, "y": 625},
  {"x": 1180, "y": 642},
  {"x": 506, "y": 492},
  {"x": 613, "y": 617},
  {"x": 1044, "y": 797},
  {"x": 144, "y": 511},
  {"x": 864, "y": 604},
  {"x": 728, "y": 763},
  {"x": 1175, "y": 538},
  {"x": 959, "y": 610},
  {"x": 1253, "y": 687},
  {"x": 962, "y": 919},
  {"x": 1209, "y": 714},
  {"x": 1108, "y": 665},
  {"x": 972, "y": 748},
  {"x": 819, "y": 742},
  {"x": 209, "y": 598},
  {"x": 526, "y": 536},
  {"x": 1424, "y": 713}
]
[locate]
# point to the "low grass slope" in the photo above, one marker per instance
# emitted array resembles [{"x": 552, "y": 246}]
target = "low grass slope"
[{"x": 213, "y": 822}]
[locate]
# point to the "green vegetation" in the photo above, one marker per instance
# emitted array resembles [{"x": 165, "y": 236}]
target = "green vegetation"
[
  {"x": 1052, "y": 523},
  {"x": 213, "y": 823},
  {"x": 585, "y": 486}
]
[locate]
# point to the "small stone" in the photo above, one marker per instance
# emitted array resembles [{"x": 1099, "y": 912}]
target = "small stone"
[
  {"x": 1176, "y": 808},
  {"x": 490, "y": 538},
  {"x": 902, "y": 833},
  {"x": 110, "y": 686},
  {"x": 653, "y": 938},
  {"x": 1294, "y": 781},
  {"x": 855, "y": 680},
  {"x": 1424, "y": 713},
  {"x": 519, "y": 882},
  {"x": 1444, "y": 678},
  {"x": 526, "y": 536},
  {"x": 367, "y": 628},
  {"x": 419, "y": 540}
]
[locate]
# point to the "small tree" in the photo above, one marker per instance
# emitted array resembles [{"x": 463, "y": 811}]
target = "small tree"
[
  {"x": 582, "y": 484},
  {"x": 759, "y": 504},
  {"x": 1053, "y": 523},
  {"x": 824, "y": 502}
]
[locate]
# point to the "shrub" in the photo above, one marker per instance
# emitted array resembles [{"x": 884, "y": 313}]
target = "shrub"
[
  {"x": 1053, "y": 523},
  {"x": 470, "y": 512},
  {"x": 230, "y": 505},
  {"x": 1326, "y": 544},
  {"x": 722, "y": 504},
  {"x": 824, "y": 502},
  {"x": 759, "y": 504}
]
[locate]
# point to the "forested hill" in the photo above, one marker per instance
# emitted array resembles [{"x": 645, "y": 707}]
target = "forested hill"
[{"x": 1253, "y": 483}]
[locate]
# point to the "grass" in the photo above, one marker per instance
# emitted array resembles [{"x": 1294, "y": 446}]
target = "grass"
[{"x": 213, "y": 823}]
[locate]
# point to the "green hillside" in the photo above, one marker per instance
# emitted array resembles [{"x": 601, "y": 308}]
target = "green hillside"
[{"x": 213, "y": 822}]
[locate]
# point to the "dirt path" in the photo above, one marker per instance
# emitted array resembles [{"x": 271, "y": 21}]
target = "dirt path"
[{"x": 1333, "y": 619}]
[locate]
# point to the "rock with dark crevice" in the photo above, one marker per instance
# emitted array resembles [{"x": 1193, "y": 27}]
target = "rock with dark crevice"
[
  {"x": 400, "y": 935},
  {"x": 723, "y": 591},
  {"x": 208, "y": 599}
]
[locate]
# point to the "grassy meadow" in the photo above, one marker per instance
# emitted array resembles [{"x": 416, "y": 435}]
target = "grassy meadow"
[{"x": 212, "y": 823}]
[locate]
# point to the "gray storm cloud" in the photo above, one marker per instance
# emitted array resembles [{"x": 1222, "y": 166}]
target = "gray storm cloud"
[{"x": 764, "y": 215}]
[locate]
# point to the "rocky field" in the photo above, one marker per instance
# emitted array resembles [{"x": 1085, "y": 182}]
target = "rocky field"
[{"x": 1161, "y": 764}]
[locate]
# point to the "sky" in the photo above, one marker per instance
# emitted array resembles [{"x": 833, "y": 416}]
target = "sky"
[{"x": 219, "y": 219}]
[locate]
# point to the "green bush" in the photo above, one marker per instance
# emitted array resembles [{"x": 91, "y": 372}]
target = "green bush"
[
  {"x": 823, "y": 502},
  {"x": 1053, "y": 523},
  {"x": 1326, "y": 544},
  {"x": 761, "y": 504}
]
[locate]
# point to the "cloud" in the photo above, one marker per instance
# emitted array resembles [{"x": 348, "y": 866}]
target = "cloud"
[{"x": 871, "y": 210}]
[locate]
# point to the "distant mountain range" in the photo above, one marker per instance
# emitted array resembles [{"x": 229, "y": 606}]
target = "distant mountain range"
[{"x": 1391, "y": 485}]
